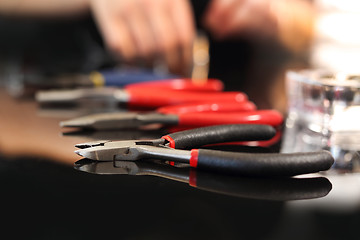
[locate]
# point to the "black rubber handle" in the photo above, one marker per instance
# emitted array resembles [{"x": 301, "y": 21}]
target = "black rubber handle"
[
  {"x": 195, "y": 138},
  {"x": 265, "y": 164}
]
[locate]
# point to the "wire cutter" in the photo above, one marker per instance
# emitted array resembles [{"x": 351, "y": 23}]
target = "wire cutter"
[{"x": 172, "y": 148}]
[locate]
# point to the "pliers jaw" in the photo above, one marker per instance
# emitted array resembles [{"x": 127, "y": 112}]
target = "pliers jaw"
[
  {"x": 104, "y": 150},
  {"x": 120, "y": 150},
  {"x": 92, "y": 144}
]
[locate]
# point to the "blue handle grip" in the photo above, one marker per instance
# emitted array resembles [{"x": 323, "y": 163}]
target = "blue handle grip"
[{"x": 121, "y": 78}]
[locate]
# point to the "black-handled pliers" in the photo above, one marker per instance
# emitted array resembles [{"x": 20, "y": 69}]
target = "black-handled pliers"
[{"x": 172, "y": 148}]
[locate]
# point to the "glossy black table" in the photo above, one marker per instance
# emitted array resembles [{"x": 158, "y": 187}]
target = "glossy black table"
[{"x": 44, "y": 197}]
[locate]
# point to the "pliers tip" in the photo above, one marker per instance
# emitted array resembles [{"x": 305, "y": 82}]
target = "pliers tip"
[
  {"x": 88, "y": 154},
  {"x": 83, "y": 122}
]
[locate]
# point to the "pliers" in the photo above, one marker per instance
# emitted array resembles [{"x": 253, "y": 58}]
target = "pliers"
[
  {"x": 172, "y": 148},
  {"x": 29, "y": 83},
  {"x": 146, "y": 95},
  {"x": 122, "y": 77},
  {"x": 189, "y": 115},
  {"x": 121, "y": 120}
]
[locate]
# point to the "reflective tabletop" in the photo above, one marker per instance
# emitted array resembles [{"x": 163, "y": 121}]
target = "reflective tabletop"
[{"x": 48, "y": 192}]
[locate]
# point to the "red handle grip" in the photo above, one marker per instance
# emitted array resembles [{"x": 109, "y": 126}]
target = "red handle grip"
[
  {"x": 155, "y": 98},
  {"x": 269, "y": 117},
  {"x": 210, "y": 85},
  {"x": 208, "y": 107}
]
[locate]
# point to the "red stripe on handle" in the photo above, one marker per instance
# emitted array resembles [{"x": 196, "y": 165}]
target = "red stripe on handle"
[
  {"x": 170, "y": 140},
  {"x": 194, "y": 158}
]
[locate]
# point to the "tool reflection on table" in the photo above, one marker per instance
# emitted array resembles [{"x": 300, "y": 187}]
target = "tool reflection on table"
[
  {"x": 149, "y": 96},
  {"x": 275, "y": 189},
  {"x": 170, "y": 148}
]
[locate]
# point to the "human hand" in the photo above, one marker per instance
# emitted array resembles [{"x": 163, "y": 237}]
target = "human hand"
[
  {"x": 151, "y": 30},
  {"x": 228, "y": 18},
  {"x": 288, "y": 21}
]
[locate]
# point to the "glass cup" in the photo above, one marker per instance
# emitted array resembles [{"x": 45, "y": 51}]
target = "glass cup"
[{"x": 324, "y": 102}]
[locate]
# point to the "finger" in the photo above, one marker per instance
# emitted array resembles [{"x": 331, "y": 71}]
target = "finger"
[
  {"x": 183, "y": 19},
  {"x": 236, "y": 21},
  {"x": 140, "y": 31},
  {"x": 213, "y": 9},
  {"x": 119, "y": 40},
  {"x": 216, "y": 11},
  {"x": 165, "y": 34},
  {"x": 115, "y": 32},
  {"x": 243, "y": 21},
  {"x": 220, "y": 16}
]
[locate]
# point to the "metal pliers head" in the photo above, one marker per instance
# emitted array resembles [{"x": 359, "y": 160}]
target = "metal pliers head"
[{"x": 129, "y": 150}]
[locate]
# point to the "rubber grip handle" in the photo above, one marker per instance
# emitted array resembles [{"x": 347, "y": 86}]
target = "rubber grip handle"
[
  {"x": 211, "y": 85},
  {"x": 155, "y": 98},
  {"x": 270, "y": 117},
  {"x": 208, "y": 107},
  {"x": 219, "y": 134},
  {"x": 123, "y": 77},
  {"x": 264, "y": 164}
]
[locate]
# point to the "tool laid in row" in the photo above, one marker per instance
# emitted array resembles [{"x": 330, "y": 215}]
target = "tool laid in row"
[
  {"x": 25, "y": 84},
  {"x": 124, "y": 120},
  {"x": 274, "y": 189},
  {"x": 201, "y": 114},
  {"x": 210, "y": 85},
  {"x": 123, "y": 77},
  {"x": 212, "y": 106},
  {"x": 171, "y": 148},
  {"x": 144, "y": 97}
]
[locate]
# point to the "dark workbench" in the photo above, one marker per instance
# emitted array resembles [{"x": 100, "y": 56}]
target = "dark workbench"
[{"x": 44, "y": 197}]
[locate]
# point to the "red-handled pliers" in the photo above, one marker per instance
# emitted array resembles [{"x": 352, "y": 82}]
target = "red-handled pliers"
[
  {"x": 183, "y": 118},
  {"x": 212, "y": 106},
  {"x": 169, "y": 148},
  {"x": 210, "y": 85},
  {"x": 135, "y": 97}
]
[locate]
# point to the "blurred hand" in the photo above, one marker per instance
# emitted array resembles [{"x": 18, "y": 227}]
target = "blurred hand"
[
  {"x": 148, "y": 29},
  {"x": 225, "y": 18},
  {"x": 287, "y": 21}
]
